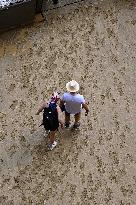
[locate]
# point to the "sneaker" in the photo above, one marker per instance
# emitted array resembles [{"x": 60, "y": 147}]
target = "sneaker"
[
  {"x": 67, "y": 125},
  {"x": 76, "y": 125},
  {"x": 52, "y": 146}
]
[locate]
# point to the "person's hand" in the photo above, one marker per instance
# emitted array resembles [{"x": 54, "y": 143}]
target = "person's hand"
[
  {"x": 62, "y": 125},
  {"x": 86, "y": 113}
]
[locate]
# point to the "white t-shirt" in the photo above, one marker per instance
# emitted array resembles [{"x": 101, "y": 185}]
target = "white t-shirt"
[{"x": 73, "y": 103}]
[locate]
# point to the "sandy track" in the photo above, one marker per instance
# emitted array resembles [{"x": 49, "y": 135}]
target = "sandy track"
[{"x": 94, "y": 44}]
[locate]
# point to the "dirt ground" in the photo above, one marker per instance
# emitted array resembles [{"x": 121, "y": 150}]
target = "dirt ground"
[{"x": 95, "y": 44}]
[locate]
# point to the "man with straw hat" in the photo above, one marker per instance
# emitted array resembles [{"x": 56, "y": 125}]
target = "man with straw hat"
[{"x": 74, "y": 103}]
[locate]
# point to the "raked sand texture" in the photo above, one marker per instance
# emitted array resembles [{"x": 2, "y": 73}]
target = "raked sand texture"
[{"x": 95, "y": 44}]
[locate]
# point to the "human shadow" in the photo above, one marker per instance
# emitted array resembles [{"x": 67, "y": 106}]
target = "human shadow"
[{"x": 66, "y": 139}]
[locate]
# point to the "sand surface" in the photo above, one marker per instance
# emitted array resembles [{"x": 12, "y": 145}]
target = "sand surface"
[{"x": 95, "y": 44}]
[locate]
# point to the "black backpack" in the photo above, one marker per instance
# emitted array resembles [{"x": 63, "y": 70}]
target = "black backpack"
[{"x": 50, "y": 117}]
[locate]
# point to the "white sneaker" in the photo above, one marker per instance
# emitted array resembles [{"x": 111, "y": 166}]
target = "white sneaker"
[{"x": 52, "y": 146}]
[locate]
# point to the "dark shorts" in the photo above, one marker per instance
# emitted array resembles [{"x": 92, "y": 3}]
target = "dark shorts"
[
  {"x": 67, "y": 114},
  {"x": 55, "y": 127}
]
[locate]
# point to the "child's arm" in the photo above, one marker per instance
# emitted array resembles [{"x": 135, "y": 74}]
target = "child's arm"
[
  {"x": 60, "y": 116},
  {"x": 41, "y": 107}
]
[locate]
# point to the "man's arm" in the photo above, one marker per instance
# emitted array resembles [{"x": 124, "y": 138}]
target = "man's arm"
[{"x": 85, "y": 106}]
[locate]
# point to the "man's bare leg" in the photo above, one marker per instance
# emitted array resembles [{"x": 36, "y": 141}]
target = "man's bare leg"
[{"x": 77, "y": 120}]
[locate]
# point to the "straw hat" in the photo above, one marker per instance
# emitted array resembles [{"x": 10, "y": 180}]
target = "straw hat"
[{"x": 72, "y": 86}]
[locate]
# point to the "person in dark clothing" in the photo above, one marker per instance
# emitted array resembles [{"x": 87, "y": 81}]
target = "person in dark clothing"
[{"x": 51, "y": 119}]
